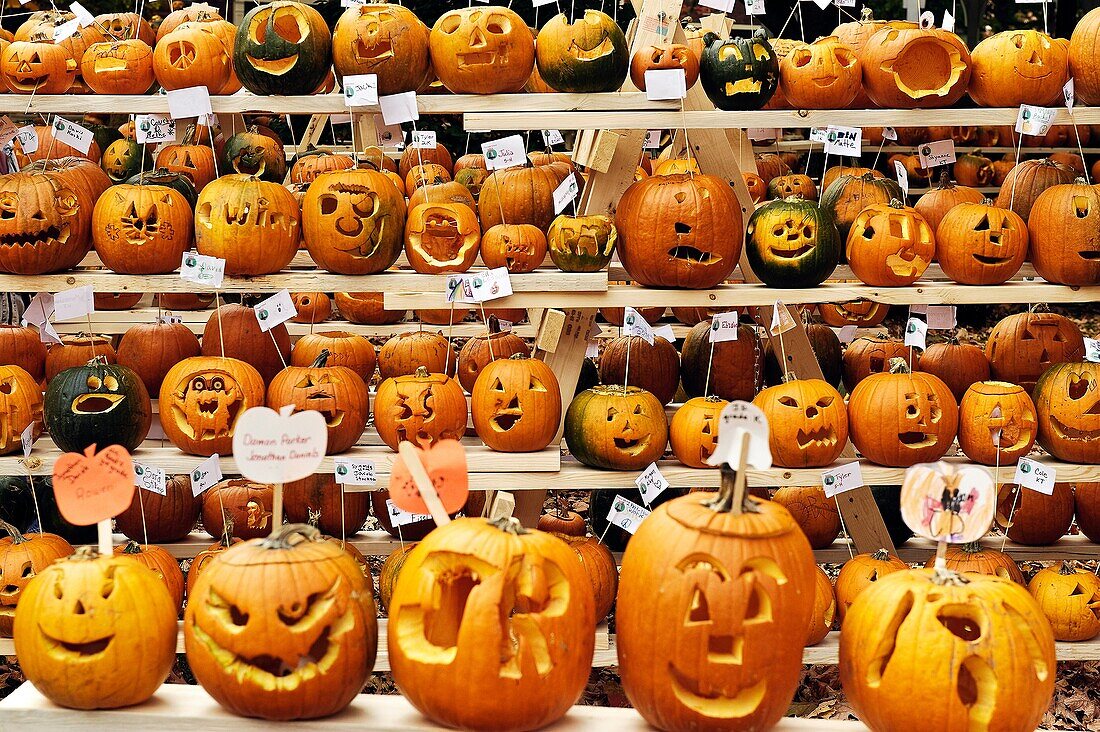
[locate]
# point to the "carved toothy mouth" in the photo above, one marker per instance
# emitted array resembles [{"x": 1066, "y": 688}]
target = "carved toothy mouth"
[
  {"x": 477, "y": 58},
  {"x": 1065, "y": 432},
  {"x": 76, "y": 651},
  {"x": 691, "y": 254},
  {"x": 275, "y": 67},
  {"x": 743, "y": 86},
  {"x": 28, "y": 83},
  {"x": 985, "y": 259},
  {"x": 917, "y": 439},
  {"x": 604, "y": 48},
  {"x": 373, "y": 53},
  {"x": 96, "y": 403},
  {"x": 53, "y": 236},
  {"x": 713, "y": 703},
  {"x": 792, "y": 253},
  {"x": 821, "y": 437},
  {"x": 105, "y": 64}
]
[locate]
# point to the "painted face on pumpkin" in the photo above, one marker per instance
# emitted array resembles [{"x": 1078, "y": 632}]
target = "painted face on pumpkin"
[{"x": 207, "y": 404}]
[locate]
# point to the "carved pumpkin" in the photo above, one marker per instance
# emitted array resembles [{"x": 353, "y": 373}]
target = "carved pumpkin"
[
  {"x": 658, "y": 58},
  {"x": 1033, "y": 518},
  {"x": 1026, "y": 180},
  {"x": 255, "y": 151},
  {"x": 815, "y": 514},
  {"x": 981, "y": 244},
  {"x": 582, "y": 243},
  {"x": 45, "y": 223},
  {"x": 1018, "y": 67},
  {"x": 758, "y": 189},
  {"x": 314, "y": 161},
  {"x": 901, "y": 419},
  {"x": 848, "y": 195},
  {"x": 337, "y": 392},
  {"x": 142, "y": 229},
  {"x": 738, "y": 73},
  {"x": 516, "y": 404},
  {"x": 794, "y": 184},
  {"x": 996, "y": 417},
  {"x": 863, "y": 313},
  {"x": 197, "y": 53},
  {"x": 517, "y": 247},
  {"x": 302, "y": 650},
  {"x": 1065, "y": 234},
  {"x": 282, "y": 47},
  {"x": 311, "y": 307},
  {"x": 37, "y": 66},
  {"x": 442, "y": 237},
  {"x": 22, "y": 558},
  {"x": 198, "y": 12},
  {"x": 973, "y": 169},
  {"x": 520, "y": 195},
  {"x": 253, "y": 224},
  {"x": 1082, "y": 58},
  {"x": 736, "y": 370},
  {"x": 482, "y": 50},
  {"x": 890, "y": 245},
  {"x": 353, "y": 221},
  {"x": 825, "y": 74},
  {"x": 957, "y": 364},
  {"x": 189, "y": 157},
  {"x": 20, "y": 406},
  {"x": 422, "y": 408},
  {"x": 1070, "y": 598},
  {"x": 1067, "y": 397},
  {"x": 861, "y": 572},
  {"x": 118, "y": 67},
  {"x": 693, "y": 431},
  {"x": 910, "y": 68},
  {"x": 1023, "y": 346},
  {"x": 234, "y": 331},
  {"x": 366, "y": 308},
  {"x": 480, "y": 350},
  {"x": 151, "y": 349},
  {"x": 616, "y": 428},
  {"x": 404, "y": 353},
  {"x": 655, "y": 368},
  {"x": 98, "y": 403},
  {"x": 824, "y": 613},
  {"x": 384, "y": 39},
  {"x": 585, "y": 55},
  {"x": 345, "y": 349},
  {"x": 240, "y": 504},
  {"x": 807, "y": 421},
  {"x": 791, "y": 243},
  {"x": 201, "y": 398}
]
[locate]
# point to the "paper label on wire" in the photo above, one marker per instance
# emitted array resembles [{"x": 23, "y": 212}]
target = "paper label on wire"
[
  {"x": 846, "y": 333},
  {"x": 82, "y": 15},
  {"x": 936, "y": 153},
  {"x": 948, "y": 22},
  {"x": 27, "y": 139},
  {"x": 626, "y": 514},
  {"x": 754, "y": 7},
  {"x": 150, "y": 478},
  {"x": 194, "y": 101},
  {"x": 490, "y": 284},
  {"x": 8, "y": 130},
  {"x": 154, "y": 128},
  {"x": 361, "y": 90},
  {"x": 202, "y": 269},
  {"x": 723, "y": 327},
  {"x": 352, "y": 3},
  {"x": 422, "y": 140},
  {"x": 75, "y": 303},
  {"x": 65, "y": 30},
  {"x": 1034, "y": 121},
  {"x": 275, "y": 310},
  {"x": 72, "y": 134},
  {"x": 1092, "y": 350},
  {"x": 507, "y": 152},
  {"x": 781, "y": 319},
  {"x": 27, "y": 438},
  {"x": 566, "y": 191},
  {"x": 941, "y": 317},
  {"x": 844, "y": 141},
  {"x": 398, "y": 108},
  {"x": 1035, "y": 475},
  {"x": 1068, "y": 94},
  {"x": 819, "y": 3},
  {"x": 903, "y": 176},
  {"x": 552, "y": 137},
  {"x": 169, "y": 319},
  {"x": 841, "y": 479},
  {"x": 652, "y": 140},
  {"x": 889, "y": 133},
  {"x": 916, "y": 333},
  {"x": 819, "y": 134},
  {"x": 353, "y": 471},
  {"x": 404, "y": 518},
  {"x": 540, "y": 3},
  {"x": 665, "y": 331},
  {"x": 592, "y": 350},
  {"x": 662, "y": 84},
  {"x": 722, "y": 6},
  {"x": 651, "y": 483},
  {"x": 635, "y": 325},
  {"x": 390, "y": 137},
  {"x": 740, "y": 418},
  {"x": 844, "y": 3},
  {"x": 206, "y": 474}
]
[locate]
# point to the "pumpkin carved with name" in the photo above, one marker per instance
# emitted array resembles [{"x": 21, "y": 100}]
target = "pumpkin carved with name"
[
  {"x": 516, "y": 404},
  {"x": 202, "y": 397},
  {"x": 253, "y": 224},
  {"x": 337, "y": 392},
  {"x": 353, "y": 221},
  {"x": 422, "y": 408},
  {"x": 807, "y": 420}
]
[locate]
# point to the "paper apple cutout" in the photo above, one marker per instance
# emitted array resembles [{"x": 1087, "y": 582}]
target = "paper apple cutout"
[
  {"x": 92, "y": 487},
  {"x": 445, "y": 463},
  {"x": 279, "y": 447},
  {"x": 944, "y": 503}
]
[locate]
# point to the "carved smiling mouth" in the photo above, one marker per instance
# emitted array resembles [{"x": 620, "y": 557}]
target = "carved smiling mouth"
[
  {"x": 53, "y": 236},
  {"x": 96, "y": 403},
  {"x": 507, "y": 417},
  {"x": 77, "y": 651},
  {"x": 791, "y": 253},
  {"x": 743, "y": 86},
  {"x": 985, "y": 259},
  {"x": 604, "y": 48},
  {"x": 1090, "y": 255},
  {"x": 713, "y": 703},
  {"x": 275, "y": 67},
  {"x": 1065, "y": 432},
  {"x": 918, "y": 439},
  {"x": 825, "y": 80},
  {"x": 821, "y": 437},
  {"x": 632, "y": 446}
]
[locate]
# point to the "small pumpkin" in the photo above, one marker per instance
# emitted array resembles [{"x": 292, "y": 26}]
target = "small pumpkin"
[
  {"x": 663, "y": 57},
  {"x": 161, "y": 563},
  {"x": 890, "y": 245},
  {"x": 190, "y": 158},
  {"x": 847, "y": 196},
  {"x": 22, "y": 558},
  {"x": 20, "y": 407},
  {"x": 256, "y": 151},
  {"x": 824, "y": 614},
  {"x": 1070, "y": 598},
  {"x": 282, "y": 47},
  {"x": 243, "y": 503},
  {"x": 337, "y": 392},
  {"x": 693, "y": 431},
  {"x": 422, "y": 408},
  {"x": 517, "y": 247},
  {"x": 997, "y": 423},
  {"x": 1026, "y": 180},
  {"x": 20, "y": 346},
  {"x": 791, "y": 243},
  {"x": 860, "y": 573},
  {"x": 481, "y": 350}
]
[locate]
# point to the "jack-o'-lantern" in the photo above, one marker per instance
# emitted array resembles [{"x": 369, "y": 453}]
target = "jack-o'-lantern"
[
  {"x": 997, "y": 423},
  {"x": 282, "y": 47},
  {"x": 98, "y": 403},
  {"x": 908, "y": 68},
  {"x": 421, "y": 408},
  {"x": 890, "y": 245},
  {"x": 521, "y": 195},
  {"x": 848, "y": 195},
  {"x": 481, "y": 350},
  {"x": 981, "y": 244},
  {"x": 901, "y": 418},
  {"x": 679, "y": 231},
  {"x": 585, "y": 55},
  {"x": 835, "y": 171},
  {"x": 472, "y": 179},
  {"x": 1065, "y": 234},
  {"x": 482, "y": 50},
  {"x": 971, "y": 169},
  {"x": 733, "y": 592},
  {"x": 404, "y": 353},
  {"x": 861, "y": 572},
  {"x": 824, "y": 613},
  {"x": 664, "y": 57},
  {"x": 37, "y": 66},
  {"x": 758, "y": 189},
  {"x": 934, "y": 204},
  {"x": 807, "y": 422},
  {"x": 45, "y": 224},
  {"x": 517, "y": 247},
  {"x": 868, "y": 355},
  {"x": 824, "y": 74},
  {"x": 616, "y": 428},
  {"x": 439, "y": 157},
  {"x": 794, "y": 184},
  {"x": 345, "y": 349},
  {"x": 441, "y": 237},
  {"x": 1018, "y": 67},
  {"x": 366, "y": 308},
  {"x": 738, "y": 73},
  {"x": 118, "y": 67},
  {"x": 490, "y": 604},
  {"x": 257, "y": 152},
  {"x": 353, "y": 221},
  {"x": 311, "y": 307},
  {"x": 693, "y": 432},
  {"x": 300, "y": 650},
  {"x": 123, "y": 159},
  {"x": 425, "y": 174},
  {"x": 582, "y": 243},
  {"x": 1023, "y": 346},
  {"x": 202, "y": 397},
  {"x": 384, "y": 39},
  {"x": 862, "y": 313},
  {"x": 516, "y": 404},
  {"x": 238, "y": 506},
  {"x": 22, "y": 558},
  {"x": 96, "y": 632},
  {"x": 1070, "y": 599},
  {"x": 736, "y": 370},
  {"x": 1067, "y": 398},
  {"x": 142, "y": 229},
  {"x": 192, "y": 159},
  {"x": 987, "y": 638},
  {"x": 324, "y": 503},
  {"x": 315, "y": 161},
  {"x": 158, "y": 519},
  {"x": 20, "y": 406},
  {"x": 252, "y": 224},
  {"x": 127, "y": 25},
  {"x": 337, "y": 392},
  {"x": 792, "y": 243},
  {"x": 197, "y": 53}
]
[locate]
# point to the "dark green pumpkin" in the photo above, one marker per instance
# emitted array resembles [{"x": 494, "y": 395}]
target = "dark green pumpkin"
[
  {"x": 872, "y": 190},
  {"x": 792, "y": 243},
  {"x": 888, "y": 500},
  {"x": 588, "y": 55},
  {"x": 17, "y": 508},
  {"x": 282, "y": 48},
  {"x": 97, "y": 403},
  {"x": 599, "y": 506},
  {"x": 616, "y": 428},
  {"x": 123, "y": 159},
  {"x": 164, "y": 177},
  {"x": 251, "y": 152},
  {"x": 739, "y": 73},
  {"x": 826, "y": 347}
]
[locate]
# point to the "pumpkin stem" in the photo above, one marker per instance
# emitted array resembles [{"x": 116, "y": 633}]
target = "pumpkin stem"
[
  {"x": 493, "y": 324},
  {"x": 945, "y": 180},
  {"x": 322, "y": 359},
  {"x": 421, "y": 372},
  {"x": 98, "y": 360},
  {"x": 15, "y": 534},
  {"x": 189, "y": 135},
  {"x": 898, "y": 366},
  {"x": 519, "y": 356},
  {"x": 723, "y": 500},
  {"x": 1079, "y": 181},
  {"x": 973, "y": 547},
  {"x": 284, "y": 536},
  {"x": 880, "y": 555},
  {"x": 85, "y": 554},
  {"x": 895, "y": 203},
  {"x": 866, "y": 15},
  {"x": 509, "y": 525},
  {"x": 561, "y": 508},
  {"x": 944, "y": 577},
  {"x": 314, "y": 517},
  {"x": 131, "y": 547},
  {"x": 1068, "y": 567},
  {"x": 227, "y": 530}
]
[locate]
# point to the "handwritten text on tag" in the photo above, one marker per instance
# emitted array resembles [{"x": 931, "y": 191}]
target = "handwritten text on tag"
[
  {"x": 353, "y": 471},
  {"x": 842, "y": 479}
]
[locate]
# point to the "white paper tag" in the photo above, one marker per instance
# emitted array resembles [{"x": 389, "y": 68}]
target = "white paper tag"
[
  {"x": 918, "y": 309},
  {"x": 352, "y": 3},
  {"x": 154, "y": 128},
  {"x": 665, "y": 331},
  {"x": 490, "y": 284},
  {"x": 844, "y": 141},
  {"x": 82, "y": 15},
  {"x": 754, "y": 7},
  {"x": 916, "y": 333},
  {"x": 903, "y": 176},
  {"x": 635, "y": 325},
  {"x": 27, "y": 438},
  {"x": 652, "y": 140},
  {"x": 508, "y": 152},
  {"x": 722, "y": 6},
  {"x": 540, "y": 3},
  {"x": 150, "y": 478},
  {"x": 819, "y": 134},
  {"x": 361, "y": 90},
  {"x": 75, "y": 303},
  {"x": 206, "y": 474},
  {"x": 552, "y": 137},
  {"x": 889, "y": 133},
  {"x": 948, "y": 22},
  {"x": 663, "y": 84},
  {"x": 841, "y": 479},
  {"x": 592, "y": 350},
  {"x": 65, "y": 30},
  {"x": 72, "y": 134},
  {"x": 505, "y": 325},
  {"x": 275, "y": 310},
  {"x": 404, "y": 518},
  {"x": 781, "y": 319},
  {"x": 1092, "y": 350},
  {"x": 202, "y": 270},
  {"x": 279, "y": 446},
  {"x": 27, "y": 138},
  {"x": 927, "y": 20},
  {"x": 626, "y": 514},
  {"x": 1034, "y": 120},
  {"x": 739, "y": 418},
  {"x": 169, "y": 319},
  {"x": 354, "y": 471},
  {"x": 819, "y": 3},
  {"x": 723, "y": 327},
  {"x": 398, "y": 108},
  {"x": 566, "y": 191},
  {"x": 651, "y": 483},
  {"x": 194, "y": 101},
  {"x": 1036, "y": 476},
  {"x": 1068, "y": 94},
  {"x": 38, "y": 314},
  {"x": 422, "y": 139},
  {"x": 762, "y": 133},
  {"x": 936, "y": 153},
  {"x": 390, "y": 137},
  {"x": 941, "y": 317},
  {"x": 846, "y": 333}
]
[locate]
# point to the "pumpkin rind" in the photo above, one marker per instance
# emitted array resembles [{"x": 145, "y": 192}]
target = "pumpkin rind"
[
  {"x": 616, "y": 428},
  {"x": 792, "y": 243},
  {"x": 584, "y": 56},
  {"x": 282, "y": 48},
  {"x": 98, "y": 403}
]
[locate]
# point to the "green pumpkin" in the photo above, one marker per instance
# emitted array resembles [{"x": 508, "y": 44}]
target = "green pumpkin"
[
  {"x": 792, "y": 243},
  {"x": 282, "y": 48},
  {"x": 251, "y": 152},
  {"x": 123, "y": 159},
  {"x": 873, "y": 190},
  {"x": 473, "y": 179},
  {"x": 738, "y": 73},
  {"x": 588, "y": 55},
  {"x": 164, "y": 177},
  {"x": 600, "y": 503},
  {"x": 616, "y": 428},
  {"x": 98, "y": 403},
  {"x": 17, "y": 508},
  {"x": 581, "y": 243}
]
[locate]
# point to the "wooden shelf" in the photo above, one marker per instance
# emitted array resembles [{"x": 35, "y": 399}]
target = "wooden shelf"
[{"x": 870, "y": 148}]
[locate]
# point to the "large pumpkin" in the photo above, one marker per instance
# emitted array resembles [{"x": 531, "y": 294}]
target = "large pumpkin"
[
  {"x": 807, "y": 423},
  {"x": 282, "y": 47},
  {"x": 422, "y": 408},
  {"x": 679, "y": 230},
  {"x": 586, "y": 55},
  {"x": 825, "y": 74},
  {"x": 1018, "y": 67},
  {"x": 45, "y": 223},
  {"x": 37, "y": 66},
  {"x": 118, "y": 67},
  {"x": 908, "y": 68},
  {"x": 1067, "y": 397},
  {"x": 22, "y": 557},
  {"x": 202, "y": 397},
  {"x": 792, "y": 243},
  {"x": 890, "y": 245},
  {"x": 282, "y": 628},
  {"x": 520, "y": 195},
  {"x": 616, "y": 428},
  {"x": 482, "y": 50},
  {"x": 516, "y": 404},
  {"x": 353, "y": 221},
  {"x": 1083, "y": 58},
  {"x": 142, "y": 229},
  {"x": 736, "y": 370},
  {"x": 732, "y": 591},
  {"x": 20, "y": 407},
  {"x": 252, "y": 224},
  {"x": 738, "y": 73},
  {"x": 1065, "y": 234},
  {"x": 981, "y": 244},
  {"x": 383, "y": 39},
  {"x": 97, "y": 404},
  {"x": 1026, "y": 180},
  {"x": 1023, "y": 346},
  {"x": 997, "y": 423},
  {"x": 337, "y": 392}
]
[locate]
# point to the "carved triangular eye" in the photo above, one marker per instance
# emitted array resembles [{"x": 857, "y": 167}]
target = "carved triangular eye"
[
  {"x": 497, "y": 386},
  {"x": 611, "y": 412},
  {"x": 638, "y": 409},
  {"x": 536, "y": 385},
  {"x": 983, "y": 225},
  {"x": 699, "y": 611}
]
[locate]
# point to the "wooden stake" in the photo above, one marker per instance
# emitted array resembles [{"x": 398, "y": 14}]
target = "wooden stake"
[
  {"x": 423, "y": 483},
  {"x": 277, "y": 508},
  {"x": 105, "y": 538}
]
